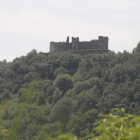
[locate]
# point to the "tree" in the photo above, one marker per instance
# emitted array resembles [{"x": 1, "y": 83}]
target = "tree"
[
  {"x": 80, "y": 86},
  {"x": 63, "y": 82},
  {"x": 6, "y": 95},
  {"x": 59, "y": 71},
  {"x": 40, "y": 99},
  {"x": 61, "y": 110},
  {"x": 120, "y": 126}
]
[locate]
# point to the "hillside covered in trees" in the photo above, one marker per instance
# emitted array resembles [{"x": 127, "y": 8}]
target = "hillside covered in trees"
[{"x": 64, "y": 93}]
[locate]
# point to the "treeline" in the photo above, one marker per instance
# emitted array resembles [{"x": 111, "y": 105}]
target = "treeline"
[{"x": 63, "y": 93}]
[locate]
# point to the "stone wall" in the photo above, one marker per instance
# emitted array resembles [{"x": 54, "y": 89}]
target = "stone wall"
[
  {"x": 88, "y": 45},
  {"x": 59, "y": 46},
  {"x": 101, "y": 43},
  {"x": 75, "y": 43}
]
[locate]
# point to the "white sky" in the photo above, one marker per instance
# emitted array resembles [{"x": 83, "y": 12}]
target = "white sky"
[{"x": 32, "y": 24}]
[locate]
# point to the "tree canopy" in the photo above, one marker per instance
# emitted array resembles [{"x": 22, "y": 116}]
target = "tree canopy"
[{"x": 62, "y": 93}]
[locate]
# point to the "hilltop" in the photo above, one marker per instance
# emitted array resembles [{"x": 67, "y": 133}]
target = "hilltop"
[{"x": 43, "y": 96}]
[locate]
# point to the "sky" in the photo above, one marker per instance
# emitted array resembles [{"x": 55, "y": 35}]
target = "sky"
[{"x": 32, "y": 24}]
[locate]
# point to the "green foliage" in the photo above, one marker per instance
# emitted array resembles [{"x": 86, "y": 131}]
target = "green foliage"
[
  {"x": 6, "y": 95},
  {"x": 63, "y": 93},
  {"x": 64, "y": 137},
  {"x": 63, "y": 82},
  {"x": 4, "y": 134},
  {"x": 40, "y": 99},
  {"x": 121, "y": 126},
  {"x": 53, "y": 129},
  {"x": 62, "y": 110},
  {"x": 59, "y": 71},
  {"x": 80, "y": 86},
  {"x": 41, "y": 136}
]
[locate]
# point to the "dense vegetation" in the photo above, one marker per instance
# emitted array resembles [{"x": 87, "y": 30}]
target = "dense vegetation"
[
  {"x": 120, "y": 126},
  {"x": 63, "y": 93}
]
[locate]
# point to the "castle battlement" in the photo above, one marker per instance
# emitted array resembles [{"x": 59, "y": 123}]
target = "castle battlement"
[{"x": 100, "y": 44}]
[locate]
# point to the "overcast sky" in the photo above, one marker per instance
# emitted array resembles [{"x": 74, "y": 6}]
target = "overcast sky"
[{"x": 32, "y": 24}]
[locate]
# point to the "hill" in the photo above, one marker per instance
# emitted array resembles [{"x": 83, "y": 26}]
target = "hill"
[{"x": 43, "y": 96}]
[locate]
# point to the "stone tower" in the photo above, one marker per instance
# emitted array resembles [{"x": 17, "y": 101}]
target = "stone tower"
[
  {"x": 102, "y": 42},
  {"x": 75, "y": 43},
  {"x": 67, "y": 39}
]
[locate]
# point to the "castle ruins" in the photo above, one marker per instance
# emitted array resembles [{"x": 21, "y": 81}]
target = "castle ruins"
[{"x": 100, "y": 45}]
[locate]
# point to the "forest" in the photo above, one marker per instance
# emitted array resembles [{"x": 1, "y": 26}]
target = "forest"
[{"x": 62, "y": 93}]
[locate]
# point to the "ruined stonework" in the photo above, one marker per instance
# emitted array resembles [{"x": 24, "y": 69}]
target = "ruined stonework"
[
  {"x": 76, "y": 45},
  {"x": 67, "y": 39},
  {"x": 101, "y": 43}
]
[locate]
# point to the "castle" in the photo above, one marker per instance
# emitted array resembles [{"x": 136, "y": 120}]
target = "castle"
[{"x": 84, "y": 47}]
